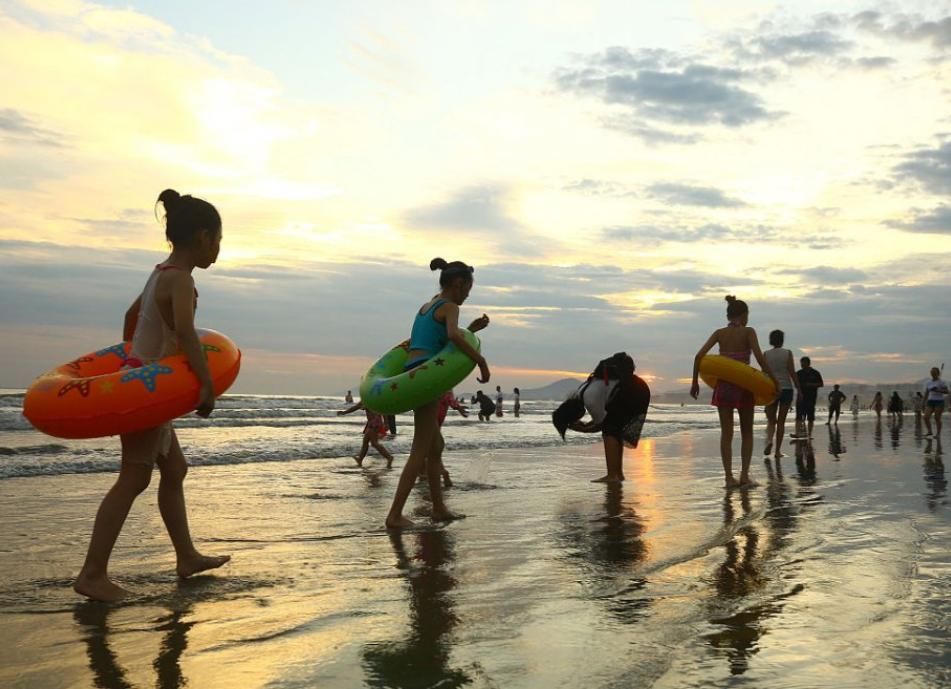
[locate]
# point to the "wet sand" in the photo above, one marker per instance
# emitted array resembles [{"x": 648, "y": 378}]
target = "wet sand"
[{"x": 834, "y": 572}]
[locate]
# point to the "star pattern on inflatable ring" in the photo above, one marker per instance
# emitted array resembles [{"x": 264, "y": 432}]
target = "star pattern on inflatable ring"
[
  {"x": 118, "y": 350},
  {"x": 440, "y": 362},
  {"x": 77, "y": 364},
  {"x": 146, "y": 374},
  {"x": 394, "y": 386},
  {"x": 81, "y": 384},
  {"x": 418, "y": 369}
]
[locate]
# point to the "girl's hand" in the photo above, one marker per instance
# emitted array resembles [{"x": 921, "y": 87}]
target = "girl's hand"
[
  {"x": 206, "y": 401},
  {"x": 463, "y": 412},
  {"x": 480, "y": 323},
  {"x": 483, "y": 372},
  {"x": 695, "y": 390}
]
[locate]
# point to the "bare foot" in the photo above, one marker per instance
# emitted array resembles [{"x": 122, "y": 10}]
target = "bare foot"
[
  {"x": 730, "y": 482},
  {"x": 200, "y": 563},
  {"x": 447, "y": 516},
  {"x": 446, "y": 481},
  {"x": 778, "y": 455},
  {"x": 389, "y": 464},
  {"x": 608, "y": 479},
  {"x": 747, "y": 482},
  {"x": 359, "y": 460},
  {"x": 99, "y": 588},
  {"x": 399, "y": 523},
  {"x": 768, "y": 449}
]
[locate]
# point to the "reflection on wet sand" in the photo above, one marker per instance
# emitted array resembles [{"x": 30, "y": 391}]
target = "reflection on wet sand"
[
  {"x": 738, "y": 576},
  {"x": 836, "y": 447},
  {"x": 806, "y": 463},
  {"x": 422, "y": 659},
  {"x": 607, "y": 546},
  {"x": 895, "y": 427},
  {"x": 934, "y": 475},
  {"x": 878, "y": 433},
  {"x": 107, "y": 671}
]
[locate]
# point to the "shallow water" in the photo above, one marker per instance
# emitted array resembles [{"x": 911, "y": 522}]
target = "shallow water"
[{"x": 833, "y": 573}]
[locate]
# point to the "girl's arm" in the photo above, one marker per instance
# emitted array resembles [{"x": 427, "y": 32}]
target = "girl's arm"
[
  {"x": 131, "y": 320},
  {"x": 350, "y": 410},
  {"x": 760, "y": 359},
  {"x": 451, "y": 314},
  {"x": 183, "y": 315},
  {"x": 585, "y": 426},
  {"x": 707, "y": 346}
]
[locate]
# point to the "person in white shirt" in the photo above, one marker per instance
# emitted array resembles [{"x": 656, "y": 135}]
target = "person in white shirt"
[
  {"x": 935, "y": 390},
  {"x": 780, "y": 362}
]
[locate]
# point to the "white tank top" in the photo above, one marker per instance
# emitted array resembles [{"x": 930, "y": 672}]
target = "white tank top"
[
  {"x": 778, "y": 360},
  {"x": 153, "y": 339}
]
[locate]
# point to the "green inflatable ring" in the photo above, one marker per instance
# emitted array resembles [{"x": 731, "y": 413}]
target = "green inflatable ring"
[{"x": 388, "y": 389}]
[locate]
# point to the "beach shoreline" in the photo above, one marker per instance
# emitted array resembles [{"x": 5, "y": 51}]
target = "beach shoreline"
[{"x": 550, "y": 581}]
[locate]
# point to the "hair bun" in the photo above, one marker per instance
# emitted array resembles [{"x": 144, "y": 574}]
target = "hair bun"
[
  {"x": 169, "y": 198},
  {"x": 438, "y": 264},
  {"x": 730, "y": 298}
]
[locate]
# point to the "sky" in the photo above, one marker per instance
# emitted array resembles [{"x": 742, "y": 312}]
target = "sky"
[{"x": 611, "y": 169}]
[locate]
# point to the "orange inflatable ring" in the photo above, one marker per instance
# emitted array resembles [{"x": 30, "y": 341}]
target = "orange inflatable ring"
[
  {"x": 93, "y": 396},
  {"x": 714, "y": 367}
]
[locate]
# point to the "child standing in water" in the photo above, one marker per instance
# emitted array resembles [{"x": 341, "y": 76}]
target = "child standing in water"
[
  {"x": 516, "y": 401},
  {"x": 435, "y": 325},
  {"x": 374, "y": 431},
  {"x": 160, "y": 323},
  {"x": 736, "y": 341},
  {"x": 935, "y": 390}
]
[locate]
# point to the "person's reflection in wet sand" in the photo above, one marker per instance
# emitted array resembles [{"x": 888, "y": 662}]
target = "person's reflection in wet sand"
[
  {"x": 737, "y": 577},
  {"x": 93, "y": 618},
  {"x": 781, "y": 515},
  {"x": 421, "y": 660},
  {"x": 836, "y": 447},
  {"x": 607, "y": 546},
  {"x": 878, "y": 433},
  {"x": 806, "y": 464},
  {"x": 895, "y": 427},
  {"x": 934, "y": 476}
]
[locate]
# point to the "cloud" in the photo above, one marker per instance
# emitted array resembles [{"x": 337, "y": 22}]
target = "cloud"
[
  {"x": 713, "y": 232},
  {"x": 794, "y": 49},
  {"x": 906, "y": 27},
  {"x": 599, "y": 187},
  {"x": 935, "y": 221},
  {"x": 634, "y": 126},
  {"x": 474, "y": 208},
  {"x": 873, "y": 63},
  {"x": 663, "y": 87},
  {"x": 826, "y": 275},
  {"x": 690, "y": 195},
  {"x": 18, "y": 128},
  {"x": 930, "y": 167}
]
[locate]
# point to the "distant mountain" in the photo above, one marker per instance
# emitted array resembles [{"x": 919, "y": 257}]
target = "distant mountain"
[{"x": 558, "y": 390}]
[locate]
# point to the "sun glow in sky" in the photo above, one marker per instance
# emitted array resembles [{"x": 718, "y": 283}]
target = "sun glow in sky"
[{"x": 612, "y": 170}]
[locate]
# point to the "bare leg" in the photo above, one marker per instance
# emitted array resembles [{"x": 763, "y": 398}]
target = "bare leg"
[
  {"x": 614, "y": 459},
  {"x": 927, "y": 418},
  {"x": 726, "y": 444},
  {"x": 937, "y": 421},
  {"x": 171, "y": 500},
  {"x": 746, "y": 445},
  {"x": 434, "y": 468},
  {"x": 378, "y": 446},
  {"x": 781, "y": 429},
  {"x": 436, "y": 457},
  {"x": 425, "y": 425},
  {"x": 358, "y": 458},
  {"x": 134, "y": 476},
  {"x": 770, "y": 426}
]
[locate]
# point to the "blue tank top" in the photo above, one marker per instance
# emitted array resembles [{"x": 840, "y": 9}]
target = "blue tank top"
[{"x": 429, "y": 335}]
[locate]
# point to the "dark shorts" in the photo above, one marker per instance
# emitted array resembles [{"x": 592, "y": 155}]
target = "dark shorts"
[
  {"x": 785, "y": 397},
  {"x": 806, "y": 410},
  {"x": 936, "y": 404}
]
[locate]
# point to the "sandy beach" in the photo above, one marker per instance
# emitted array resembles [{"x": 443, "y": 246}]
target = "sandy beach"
[{"x": 834, "y": 572}]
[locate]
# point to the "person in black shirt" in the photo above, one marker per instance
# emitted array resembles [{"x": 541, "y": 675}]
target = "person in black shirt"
[
  {"x": 810, "y": 380},
  {"x": 836, "y": 398}
]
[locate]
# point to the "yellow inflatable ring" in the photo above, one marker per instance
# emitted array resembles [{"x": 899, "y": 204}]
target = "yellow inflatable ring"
[{"x": 714, "y": 367}]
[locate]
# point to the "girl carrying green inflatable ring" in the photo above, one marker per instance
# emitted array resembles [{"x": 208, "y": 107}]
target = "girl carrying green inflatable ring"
[{"x": 435, "y": 326}]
